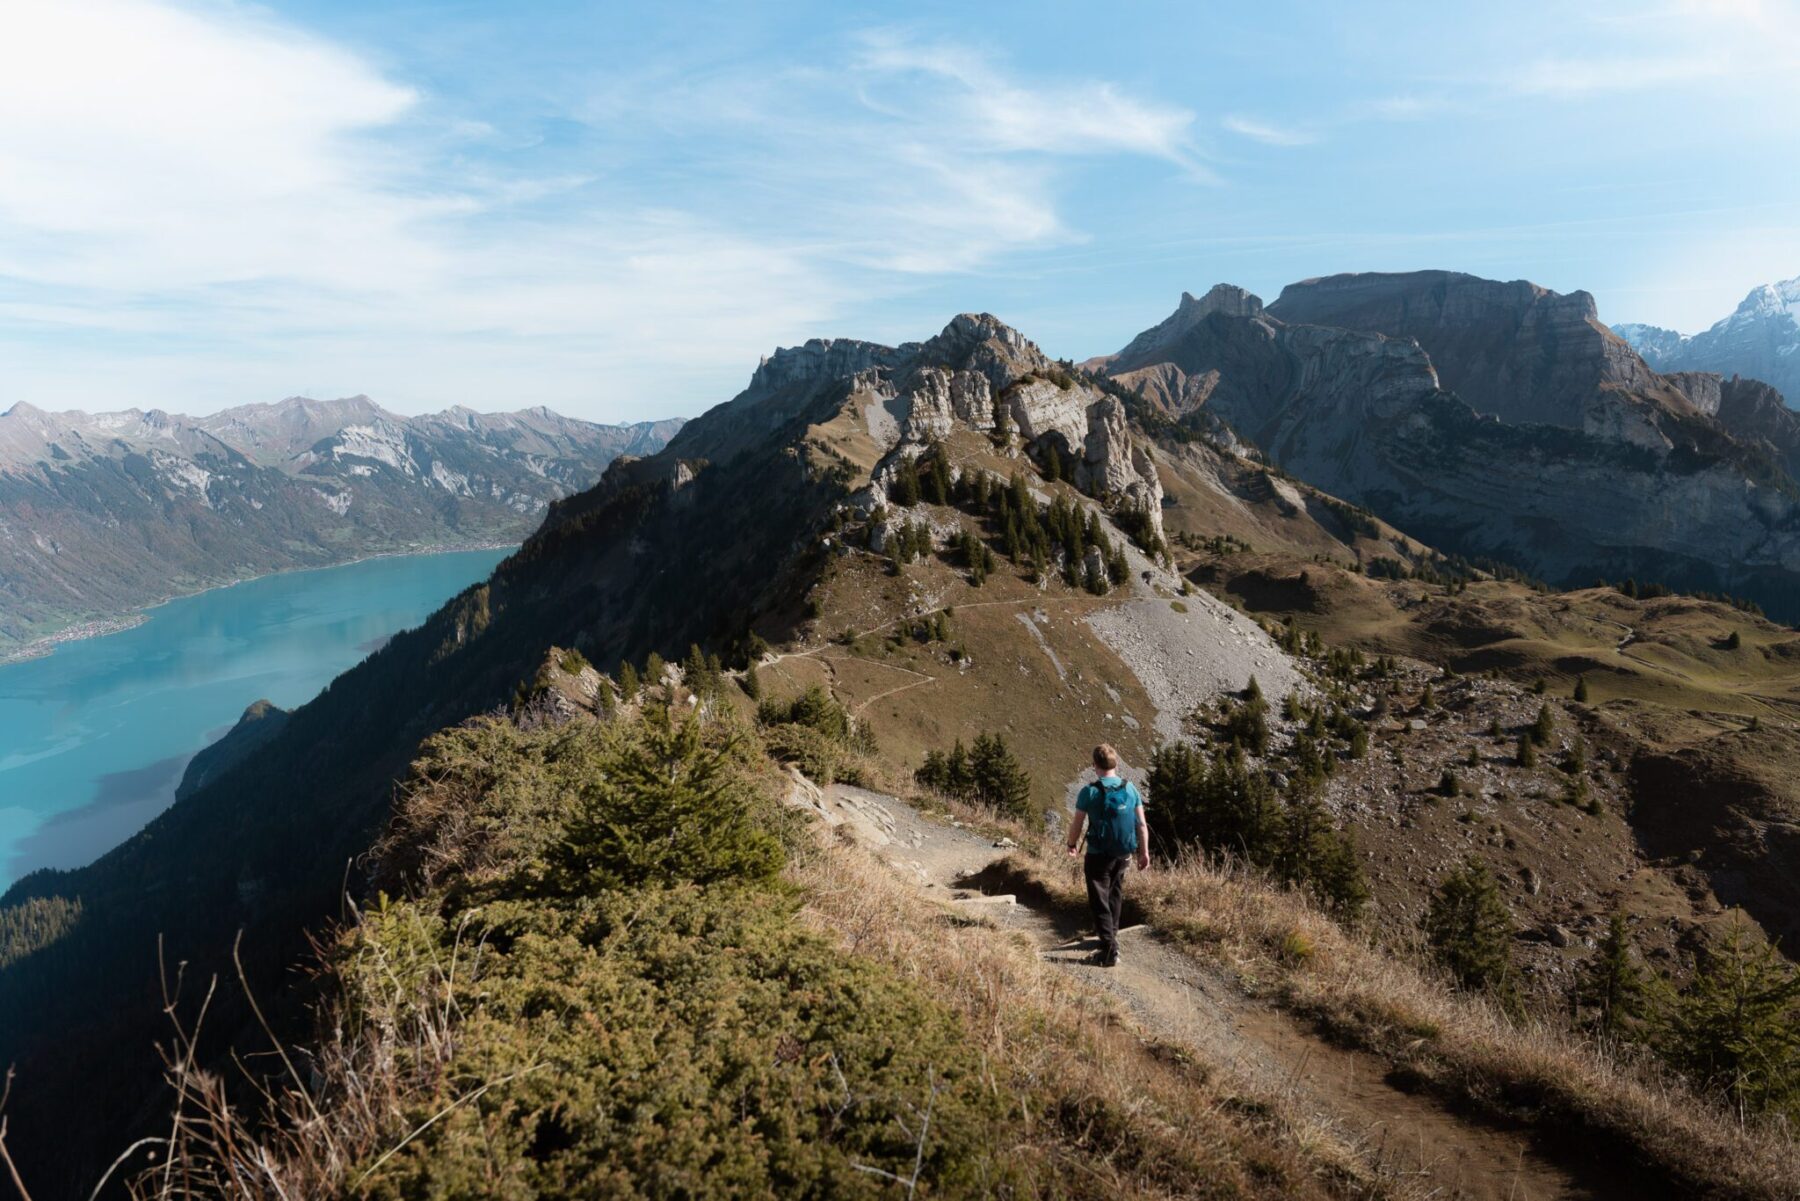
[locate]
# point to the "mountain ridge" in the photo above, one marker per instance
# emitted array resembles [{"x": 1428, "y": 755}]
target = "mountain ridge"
[
  {"x": 1760, "y": 340},
  {"x": 104, "y": 513},
  {"x": 1632, "y": 477}
]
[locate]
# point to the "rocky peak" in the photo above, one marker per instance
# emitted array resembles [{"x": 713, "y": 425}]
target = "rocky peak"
[
  {"x": 1228, "y": 299},
  {"x": 1759, "y": 340},
  {"x": 1512, "y": 349},
  {"x": 1777, "y": 301},
  {"x": 982, "y": 343}
]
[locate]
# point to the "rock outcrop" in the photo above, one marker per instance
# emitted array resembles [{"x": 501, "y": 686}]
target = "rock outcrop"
[
  {"x": 1625, "y": 483},
  {"x": 1514, "y": 350},
  {"x": 978, "y": 370}
]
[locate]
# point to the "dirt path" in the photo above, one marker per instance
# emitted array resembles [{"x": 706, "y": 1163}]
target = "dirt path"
[{"x": 1427, "y": 1149}]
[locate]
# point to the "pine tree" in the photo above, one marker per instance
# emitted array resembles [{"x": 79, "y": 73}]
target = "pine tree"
[
  {"x": 1611, "y": 983},
  {"x": 1053, "y": 467},
  {"x": 1003, "y": 423},
  {"x": 1544, "y": 726},
  {"x": 906, "y": 483},
  {"x": 1527, "y": 756},
  {"x": 1581, "y": 689},
  {"x": 1737, "y": 1027},
  {"x": 939, "y": 479},
  {"x": 654, "y": 667},
  {"x": 628, "y": 681},
  {"x": 751, "y": 683},
  {"x": 1470, "y": 929},
  {"x": 997, "y": 778},
  {"x": 1733, "y": 641}
]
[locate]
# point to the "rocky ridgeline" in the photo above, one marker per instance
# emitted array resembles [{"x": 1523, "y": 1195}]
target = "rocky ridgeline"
[
  {"x": 1572, "y": 460},
  {"x": 976, "y": 375}
]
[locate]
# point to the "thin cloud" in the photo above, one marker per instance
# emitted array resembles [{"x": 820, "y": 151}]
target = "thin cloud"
[
  {"x": 1266, "y": 133},
  {"x": 201, "y": 206},
  {"x": 1055, "y": 117}
]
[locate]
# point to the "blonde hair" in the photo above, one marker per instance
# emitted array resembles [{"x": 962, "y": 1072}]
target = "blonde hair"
[{"x": 1105, "y": 757}]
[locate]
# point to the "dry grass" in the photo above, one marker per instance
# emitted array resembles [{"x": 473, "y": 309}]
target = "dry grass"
[
  {"x": 1458, "y": 1046},
  {"x": 1129, "y": 1117}
]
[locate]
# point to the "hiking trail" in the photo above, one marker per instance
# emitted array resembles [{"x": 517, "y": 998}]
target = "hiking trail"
[{"x": 1423, "y": 1146}]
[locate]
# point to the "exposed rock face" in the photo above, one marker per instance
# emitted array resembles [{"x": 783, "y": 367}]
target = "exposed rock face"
[
  {"x": 1515, "y": 350},
  {"x": 1755, "y": 411},
  {"x": 1228, "y": 299},
  {"x": 922, "y": 392},
  {"x": 1641, "y": 487},
  {"x": 790, "y": 385},
  {"x": 101, "y": 513},
  {"x": 1760, "y": 340}
]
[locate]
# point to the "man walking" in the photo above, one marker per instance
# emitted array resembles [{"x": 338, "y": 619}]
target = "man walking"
[{"x": 1113, "y": 813}]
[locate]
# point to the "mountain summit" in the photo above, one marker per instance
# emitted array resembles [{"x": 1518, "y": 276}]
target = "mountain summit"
[{"x": 1759, "y": 340}]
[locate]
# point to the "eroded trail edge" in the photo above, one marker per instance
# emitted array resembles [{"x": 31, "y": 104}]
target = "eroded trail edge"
[{"x": 1417, "y": 1144}]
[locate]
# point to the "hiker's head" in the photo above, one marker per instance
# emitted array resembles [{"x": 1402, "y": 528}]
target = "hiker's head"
[{"x": 1105, "y": 758}]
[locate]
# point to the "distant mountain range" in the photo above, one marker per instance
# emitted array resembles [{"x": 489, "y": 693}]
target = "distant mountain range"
[
  {"x": 102, "y": 513},
  {"x": 1761, "y": 341},
  {"x": 1499, "y": 420}
]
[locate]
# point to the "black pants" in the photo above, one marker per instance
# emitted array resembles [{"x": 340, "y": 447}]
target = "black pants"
[{"x": 1106, "y": 896}]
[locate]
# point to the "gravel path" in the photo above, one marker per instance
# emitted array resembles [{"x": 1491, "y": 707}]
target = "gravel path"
[
  {"x": 1185, "y": 659},
  {"x": 1419, "y": 1147}
]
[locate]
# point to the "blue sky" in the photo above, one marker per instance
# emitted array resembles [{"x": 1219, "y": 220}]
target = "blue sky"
[{"x": 615, "y": 209}]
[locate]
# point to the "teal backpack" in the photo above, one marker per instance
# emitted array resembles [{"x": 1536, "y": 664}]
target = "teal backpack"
[{"x": 1112, "y": 826}]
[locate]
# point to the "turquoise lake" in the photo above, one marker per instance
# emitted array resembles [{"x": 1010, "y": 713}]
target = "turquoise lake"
[{"x": 94, "y": 738}]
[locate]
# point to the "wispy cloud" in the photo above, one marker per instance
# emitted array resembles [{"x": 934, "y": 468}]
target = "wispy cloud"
[
  {"x": 987, "y": 105},
  {"x": 1267, "y": 132},
  {"x": 238, "y": 202}
]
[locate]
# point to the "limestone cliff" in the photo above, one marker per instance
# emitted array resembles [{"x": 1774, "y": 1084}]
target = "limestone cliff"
[{"x": 1624, "y": 482}]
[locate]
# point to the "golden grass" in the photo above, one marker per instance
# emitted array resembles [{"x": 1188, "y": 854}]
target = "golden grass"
[
  {"x": 1129, "y": 1117},
  {"x": 1459, "y": 1046}
]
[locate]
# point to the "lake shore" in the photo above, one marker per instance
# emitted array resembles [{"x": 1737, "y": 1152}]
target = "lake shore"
[{"x": 100, "y": 627}]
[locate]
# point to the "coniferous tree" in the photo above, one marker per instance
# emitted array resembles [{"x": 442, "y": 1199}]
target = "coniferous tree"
[
  {"x": 1612, "y": 986},
  {"x": 1527, "y": 755},
  {"x": 1737, "y": 1027},
  {"x": 1581, "y": 688},
  {"x": 1470, "y": 929},
  {"x": 997, "y": 777},
  {"x": 628, "y": 681},
  {"x": 1003, "y": 423},
  {"x": 1544, "y": 726},
  {"x": 939, "y": 479},
  {"x": 906, "y": 483}
]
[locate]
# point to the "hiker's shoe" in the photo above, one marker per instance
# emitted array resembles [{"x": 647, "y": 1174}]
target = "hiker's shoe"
[{"x": 1109, "y": 959}]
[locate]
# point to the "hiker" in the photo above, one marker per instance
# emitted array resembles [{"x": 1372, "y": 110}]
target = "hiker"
[{"x": 1113, "y": 813}]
